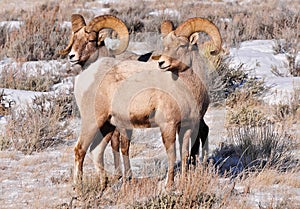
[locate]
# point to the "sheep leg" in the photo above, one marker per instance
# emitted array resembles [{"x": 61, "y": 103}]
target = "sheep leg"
[
  {"x": 87, "y": 133},
  {"x": 107, "y": 131},
  {"x": 184, "y": 139},
  {"x": 195, "y": 145},
  {"x": 201, "y": 133},
  {"x": 115, "y": 144},
  {"x": 125, "y": 144},
  {"x": 169, "y": 137},
  {"x": 204, "y": 139}
]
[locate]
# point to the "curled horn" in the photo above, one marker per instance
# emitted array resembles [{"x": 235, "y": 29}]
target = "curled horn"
[
  {"x": 112, "y": 22},
  {"x": 77, "y": 23},
  {"x": 198, "y": 24},
  {"x": 166, "y": 27}
]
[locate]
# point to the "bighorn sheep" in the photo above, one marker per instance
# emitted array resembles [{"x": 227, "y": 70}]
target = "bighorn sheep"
[
  {"x": 86, "y": 45},
  {"x": 130, "y": 94}
]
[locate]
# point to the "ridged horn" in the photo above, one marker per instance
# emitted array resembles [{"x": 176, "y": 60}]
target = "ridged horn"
[
  {"x": 112, "y": 22},
  {"x": 198, "y": 24},
  {"x": 77, "y": 23},
  {"x": 166, "y": 27}
]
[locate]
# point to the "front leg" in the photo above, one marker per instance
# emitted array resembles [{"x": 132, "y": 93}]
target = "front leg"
[
  {"x": 87, "y": 133},
  {"x": 169, "y": 137},
  {"x": 184, "y": 136}
]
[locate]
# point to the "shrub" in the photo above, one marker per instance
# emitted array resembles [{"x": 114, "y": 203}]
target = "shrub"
[
  {"x": 19, "y": 79},
  {"x": 198, "y": 189},
  {"x": 290, "y": 109},
  {"x": 39, "y": 126},
  {"x": 39, "y": 37},
  {"x": 233, "y": 84},
  {"x": 254, "y": 148}
]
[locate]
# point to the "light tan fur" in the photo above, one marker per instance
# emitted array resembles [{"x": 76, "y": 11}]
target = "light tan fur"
[
  {"x": 129, "y": 94},
  {"x": 85, "y": 48}
]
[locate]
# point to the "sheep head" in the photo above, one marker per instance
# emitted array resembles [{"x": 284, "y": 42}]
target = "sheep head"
[
  {"x": 87, "y": 40},
  {"x": 180, "y": 43}
]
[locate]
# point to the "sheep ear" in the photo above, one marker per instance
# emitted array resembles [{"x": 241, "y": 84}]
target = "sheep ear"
[
  {"x": 166, "y": 27},
  {"x": 194, "y": 38},
  {"x": 102, "y": 36}
]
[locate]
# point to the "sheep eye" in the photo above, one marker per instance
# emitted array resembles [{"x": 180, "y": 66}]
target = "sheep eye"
[{"x": 183, "y": 46}]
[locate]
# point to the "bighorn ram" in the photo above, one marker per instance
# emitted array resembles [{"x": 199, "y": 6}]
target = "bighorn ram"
[
  {"x": 129, "y": 94},
  {"x": 86, "y": 45}
]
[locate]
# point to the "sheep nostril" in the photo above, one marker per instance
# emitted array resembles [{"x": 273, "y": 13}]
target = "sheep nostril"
[
  {"x": 160, "y": 63},
  {"x": 71, "y": 56}
]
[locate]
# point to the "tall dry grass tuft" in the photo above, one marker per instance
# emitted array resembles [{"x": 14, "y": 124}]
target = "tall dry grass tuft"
[
  {"x": 40, "y": 125},
  {"x": 39, "y": 36},
  {"x": 199, "y": 188},
  {"x": 234, "y": 85},
  {"x": 19, "y": 79},
  {"x": 265, "y": 144},
  {"x": 255, "y": 148}
]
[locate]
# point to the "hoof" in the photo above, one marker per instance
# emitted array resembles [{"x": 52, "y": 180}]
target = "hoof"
[{"x": 170, "y": 189}]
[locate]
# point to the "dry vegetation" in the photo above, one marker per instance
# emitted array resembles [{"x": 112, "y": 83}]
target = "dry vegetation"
[
  {"x": 261, "y": 136},
  {"x": 40, "y": 125}
]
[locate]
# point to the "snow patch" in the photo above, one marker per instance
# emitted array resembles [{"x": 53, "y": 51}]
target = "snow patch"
[
  {"x": 259, "y": 56},
  {"x": 35, "y": 68},
  {"x": 93, "y": 10},
  {"x": 170, "y": 12},
  {"x": 259, "y": 59},
  {"x": 11, "y": 25}
]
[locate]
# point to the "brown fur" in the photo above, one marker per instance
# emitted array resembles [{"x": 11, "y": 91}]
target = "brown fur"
[{"x": 131, "y": 94}]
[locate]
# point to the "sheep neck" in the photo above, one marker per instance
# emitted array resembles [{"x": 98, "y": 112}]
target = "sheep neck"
[{"x": 193, "y": 82}]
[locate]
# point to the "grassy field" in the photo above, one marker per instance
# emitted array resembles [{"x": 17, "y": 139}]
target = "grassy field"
[{"x": 36, "y": 141}]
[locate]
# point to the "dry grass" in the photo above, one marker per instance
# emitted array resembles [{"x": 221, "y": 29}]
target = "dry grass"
[
  {"x": 39, "y": 36},
  {"x": 19, "y": 79},
  {"x": 289, "y": 111},
  {"x": 200, "y": 188},
  {"x": 234, "y": 85},
  {"x": 39, "y": 126}
]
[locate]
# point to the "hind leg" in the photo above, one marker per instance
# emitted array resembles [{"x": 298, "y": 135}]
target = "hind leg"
[
  {"x": 115, "y": 144},
  {"x": 184, "y": 140},
  {"x": 98, "y": 148},
  {"x": 204, "y": 130},
  {"x": 195, "y": 145},
  {"x": 125, "y": 144},
  {"x": 121, "y": 138},
  {"x": 200, "y": 133}
]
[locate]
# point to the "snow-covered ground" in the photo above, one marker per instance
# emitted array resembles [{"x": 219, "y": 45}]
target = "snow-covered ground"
[{"x": 260, "y": 60}]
